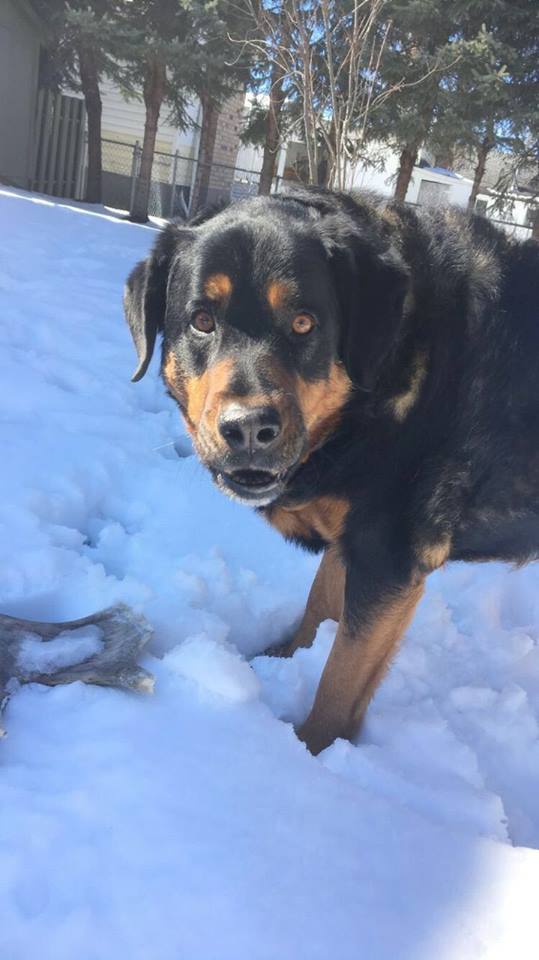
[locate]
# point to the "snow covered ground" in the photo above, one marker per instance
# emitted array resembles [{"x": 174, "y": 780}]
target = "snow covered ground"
[{"x": 192, "y": 824}]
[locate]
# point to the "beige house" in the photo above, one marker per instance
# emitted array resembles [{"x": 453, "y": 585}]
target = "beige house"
[{"x": 175, "y": 162}]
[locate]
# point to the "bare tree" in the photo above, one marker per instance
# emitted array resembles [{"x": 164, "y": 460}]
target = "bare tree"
[
  {"x": 277, "y": 99},
  {"x": 328, "y": 68}
]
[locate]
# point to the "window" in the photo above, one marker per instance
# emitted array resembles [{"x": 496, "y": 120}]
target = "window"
[
  {"x": 532, "y": 212},
  {"x": 432, "y": 193}
]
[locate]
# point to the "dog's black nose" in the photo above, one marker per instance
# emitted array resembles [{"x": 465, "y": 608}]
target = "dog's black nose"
[{"x": 250, "y": 429}]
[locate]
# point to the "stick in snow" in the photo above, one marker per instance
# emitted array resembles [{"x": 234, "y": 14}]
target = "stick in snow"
[{"x": 53, "y": 653}]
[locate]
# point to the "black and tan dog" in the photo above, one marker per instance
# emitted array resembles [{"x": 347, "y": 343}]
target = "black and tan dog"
[{"x": 367, "y": 377}]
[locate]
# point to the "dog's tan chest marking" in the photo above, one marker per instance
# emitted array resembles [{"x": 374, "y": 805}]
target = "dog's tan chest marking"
[
  {"x": 323, "y": 516},
  {"x": 402, "y": 403},
  {"x": 433, "y": 555}
]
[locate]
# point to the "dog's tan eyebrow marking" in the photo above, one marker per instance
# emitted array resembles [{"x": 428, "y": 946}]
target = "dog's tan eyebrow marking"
[
  {"x": 218, "y": 286},
  {"x": 278, "y": 292}
]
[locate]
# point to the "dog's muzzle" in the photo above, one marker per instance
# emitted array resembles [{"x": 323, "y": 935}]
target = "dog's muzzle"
[{"x": 258, "y": 458}]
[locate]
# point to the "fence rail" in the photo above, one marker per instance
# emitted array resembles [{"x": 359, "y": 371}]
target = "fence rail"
[
  {"x": 59, "y": 169},
  {"x": 521, "y": 231},
  {"x": 173, "y": 179}
]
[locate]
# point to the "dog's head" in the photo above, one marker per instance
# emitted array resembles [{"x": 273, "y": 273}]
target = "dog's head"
[{"x": 272, "y": 311}]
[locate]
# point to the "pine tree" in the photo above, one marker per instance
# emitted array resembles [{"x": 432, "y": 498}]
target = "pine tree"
[
  {"x": 223, "y": 67},
  {"x": 158, "y": 37},
  {"x": 178, "y": 50},
  {"x": 477, "y": 61},
  {"x": 87, "y": 42},
  {"x": 419, "y": 55},
  {"x": 491, "y": 101},
  {"x": 515, "y": 31}
]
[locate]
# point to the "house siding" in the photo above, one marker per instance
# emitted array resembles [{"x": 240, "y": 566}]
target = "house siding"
[
  {"x": 123, "y": 120},
  {"x": 19, "y": 68}
]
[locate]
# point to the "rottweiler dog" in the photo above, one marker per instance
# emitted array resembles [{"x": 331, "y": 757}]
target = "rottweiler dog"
[{"x": 366, "y": 376}]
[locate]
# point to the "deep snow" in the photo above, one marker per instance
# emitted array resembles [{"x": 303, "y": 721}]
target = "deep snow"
[{"x": 192, "y": 824}]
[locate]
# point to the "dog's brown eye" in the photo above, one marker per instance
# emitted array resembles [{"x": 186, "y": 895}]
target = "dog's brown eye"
[
  {"x": 302, "y": 323},
  {"x": 203, "y": 321}
]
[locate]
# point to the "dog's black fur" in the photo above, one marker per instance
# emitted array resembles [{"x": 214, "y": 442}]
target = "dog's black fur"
[{"x": 431, "y": 316}]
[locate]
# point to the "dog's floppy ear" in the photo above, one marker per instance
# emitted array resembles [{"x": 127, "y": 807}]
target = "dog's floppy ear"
[
  {"x": 145, "y": 296},
  {"x": 372, "y": 281}
]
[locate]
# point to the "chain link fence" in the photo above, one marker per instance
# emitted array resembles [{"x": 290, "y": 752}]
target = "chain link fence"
[
  {"x": 173, "y": 180},
  {"x": 174, "y": 176}
]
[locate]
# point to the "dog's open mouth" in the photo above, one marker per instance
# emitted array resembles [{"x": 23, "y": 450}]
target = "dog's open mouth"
[
  {"x": 252, "y": 485},
  {"x": 253, "y": 479}
]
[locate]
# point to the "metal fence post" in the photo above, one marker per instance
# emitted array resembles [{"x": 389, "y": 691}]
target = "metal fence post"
[
  {"x": 42, "y": 171},
  {"x": 82, "y": 169},
  {"x": 173, "y": 185},
  {"x": 134, "y": 173},
  {"x": 193, "y": 179}
]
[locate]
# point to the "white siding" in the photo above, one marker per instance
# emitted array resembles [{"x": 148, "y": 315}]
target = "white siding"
[
  {"x": 124, "y": 120},
  {"x": 452, "y": 189}
]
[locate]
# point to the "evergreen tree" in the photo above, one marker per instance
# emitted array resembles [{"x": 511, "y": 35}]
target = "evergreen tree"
[
  {"x": 87, "y": 43},
  {"x": 223, "y": 67},
  {"x": 178, "y": 50},
  {"x": 478, "y": 62},
  {"x": 419, "y": 55},
  {"x": 515, "y": 30},
  {"x": 492, "y": 102},
  {"x": 158, "y": 38}
]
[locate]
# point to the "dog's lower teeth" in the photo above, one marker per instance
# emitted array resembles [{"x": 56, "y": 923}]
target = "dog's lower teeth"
[{"x": 253, "y": 478}]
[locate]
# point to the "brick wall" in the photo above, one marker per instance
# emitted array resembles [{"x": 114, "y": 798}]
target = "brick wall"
[{"x": 227, "y": 141}]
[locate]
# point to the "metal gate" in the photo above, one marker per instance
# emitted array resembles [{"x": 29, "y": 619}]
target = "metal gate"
[{"x": 58, "y": 167}]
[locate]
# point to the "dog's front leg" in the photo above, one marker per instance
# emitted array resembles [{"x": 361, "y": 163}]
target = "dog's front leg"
[
  {"x": 325, "y": 602},
  {"x": 365, "y": 643}
]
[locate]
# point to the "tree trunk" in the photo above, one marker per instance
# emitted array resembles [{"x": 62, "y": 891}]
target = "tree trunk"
[
  {"x": 482, "y": 153},
  {"x": 272, "y": 141},
  {"x": 407, "y": 161},
  {"x": 206, "y": 147},
  {"x": 323, "y": 170},
  {"x": 330, "y": 173},
  {"x": 92, "y": 98},
  {"x": 535, "y": 224},
  {"x": 154, "y": 94}
]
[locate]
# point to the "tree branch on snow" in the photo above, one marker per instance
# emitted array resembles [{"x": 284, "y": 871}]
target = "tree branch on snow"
[{"x": 55, "y": 653}]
